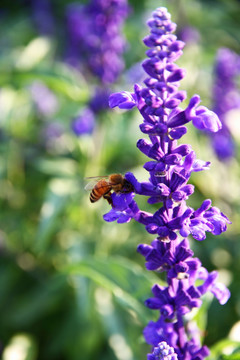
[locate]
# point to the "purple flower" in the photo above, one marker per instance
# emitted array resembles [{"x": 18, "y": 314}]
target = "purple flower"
[
  {"x": 123, "y": 100},
  {"x": 162, "y": 352},
  {"x": 44, "y": 99},
  {"x": 226, "y": 98},
  {"x": 43, "y": 16},
  {"x": 161, "y": 257},
  {"x": 84, "y": 122},
  {"x": 154, "y": 334},
  {"x": 210, "y": 284},
  {"x": 205, "y": 119},
  {"x": 170, "y": 166},
  {"x": 190, "y": 35},
  {"x": 95, "y": 46},
  {"x": 202, "y": 220},
  {"x": 123, "y": 208},
  {"x": 99, "y": 101},
  {"x": 94, "y": 32}
]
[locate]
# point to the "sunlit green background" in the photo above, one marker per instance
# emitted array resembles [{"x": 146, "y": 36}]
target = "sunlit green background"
[{"x": 73, "y": 287}]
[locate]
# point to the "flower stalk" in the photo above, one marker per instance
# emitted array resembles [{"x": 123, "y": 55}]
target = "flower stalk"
[{"x": 170, "y": 166}]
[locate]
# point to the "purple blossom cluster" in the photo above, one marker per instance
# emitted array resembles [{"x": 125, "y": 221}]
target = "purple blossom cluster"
[
  {"x": 170, "y": 166},
  {"x": 162, "y": 352},
  {"x": 226, "y": 97},
  {"x": 95, "y": 37},
  {"x": 95, "y": 43}
]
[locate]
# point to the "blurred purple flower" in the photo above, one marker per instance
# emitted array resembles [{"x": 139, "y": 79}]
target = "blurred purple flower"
[
  {"x": 45, "y": 100},
  {"x": 94, "y": 32},
  {"x": 84, "y": 123},
  {"x": 189, "y": 34},
  {"x": 99, "y": 101},
  {"x": 226, "y": 97},
  {"x": 95, "y": 45},
  {"x": 53, "y": 130},
  {"x": 43, "y": 16},
  {"x": 52, "y": 136}
]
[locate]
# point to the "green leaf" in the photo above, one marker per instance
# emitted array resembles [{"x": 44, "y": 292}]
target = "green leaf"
[
  {"x": 58, "y": 167},
  {"x": 33, "y": 53},
  {"x": 202, "y": 313},
  {"x": 224, "y": 347},
  {"x": 124, "y": 279},
  {"x": 56, "y": 199},
  {"x": 38, "y": 301},
  {"x": 234, "y": 356},
  {"x": 58, "y": 78}
]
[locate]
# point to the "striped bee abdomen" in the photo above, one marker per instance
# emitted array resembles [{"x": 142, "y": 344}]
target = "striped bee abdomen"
[{"x": 100, "y": 189}]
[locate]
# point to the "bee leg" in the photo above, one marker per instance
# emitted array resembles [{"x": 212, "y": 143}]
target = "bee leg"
[{"x": 108, "y": 198}]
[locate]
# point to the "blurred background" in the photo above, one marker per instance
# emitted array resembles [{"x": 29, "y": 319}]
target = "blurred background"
[{"x": 72, "y": 286}]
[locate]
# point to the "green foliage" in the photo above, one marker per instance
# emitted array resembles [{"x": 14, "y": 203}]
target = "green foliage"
[
  {"x": 226, "y": 349},
  {"x": 124, "y": 279}
]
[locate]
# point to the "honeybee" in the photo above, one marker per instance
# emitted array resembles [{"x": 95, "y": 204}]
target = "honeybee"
[{"x": 106, "y": 184}]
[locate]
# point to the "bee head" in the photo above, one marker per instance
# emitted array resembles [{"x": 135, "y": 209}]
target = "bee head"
[{"x": 127, "y": 187}]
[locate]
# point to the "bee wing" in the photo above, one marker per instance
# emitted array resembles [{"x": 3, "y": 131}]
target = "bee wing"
[
  {"x": 94, "y": 180},
  {"x": 97, "y": 177},
  {"x": 90, "y": 185}
]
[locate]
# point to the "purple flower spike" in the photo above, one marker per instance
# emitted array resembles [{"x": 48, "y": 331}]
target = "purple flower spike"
[
  {"x": 226, "y": 97},
  {"x": 169, "y": 166},
  {"x": 96, "y": 46},
  {"x": 94, "y": 37}
]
